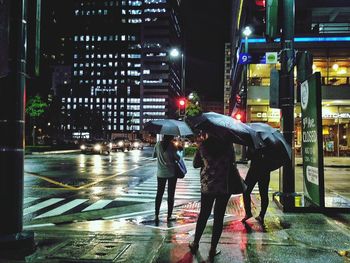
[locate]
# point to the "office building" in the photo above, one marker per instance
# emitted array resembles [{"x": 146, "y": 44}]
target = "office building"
[
  {"x": 321, "y": 28},
  {"x": 122, "y": 72},
  {"x": 227, "y": 79}
]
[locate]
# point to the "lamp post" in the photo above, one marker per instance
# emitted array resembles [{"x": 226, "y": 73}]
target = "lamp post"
[
  {"x": 246, "y": 33},
  {"x": 176, "y": 53}
]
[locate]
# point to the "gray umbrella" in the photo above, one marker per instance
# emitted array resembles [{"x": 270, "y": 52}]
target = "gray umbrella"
[
  {"x": 276, "y": 151},
  {"x": 168, "y": 127},
  {"x": 227, "y": 128}
]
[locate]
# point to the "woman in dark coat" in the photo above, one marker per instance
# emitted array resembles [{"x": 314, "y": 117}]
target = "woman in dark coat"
[{"x": 215, "y": 158}]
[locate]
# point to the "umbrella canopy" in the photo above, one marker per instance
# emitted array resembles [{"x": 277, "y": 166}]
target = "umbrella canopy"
[
  {"x": 168, "y": 127},
  {"x": 226, "y": 127},
  {"x": 276, "y": 151}
]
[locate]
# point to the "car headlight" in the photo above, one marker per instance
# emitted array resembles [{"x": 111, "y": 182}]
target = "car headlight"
[
  {"x": 97, "y": 147},
  {"x": 120, "y": 143},
  {"x": 82, "y": 147}
]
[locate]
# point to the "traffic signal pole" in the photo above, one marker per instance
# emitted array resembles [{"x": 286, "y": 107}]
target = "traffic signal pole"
[
  {"x": 287, "y": 101},
  {"x": 14, "y": 242}
]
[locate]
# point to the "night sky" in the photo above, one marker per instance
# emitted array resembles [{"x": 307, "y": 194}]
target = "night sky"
[{"x": 206, "y": 27}]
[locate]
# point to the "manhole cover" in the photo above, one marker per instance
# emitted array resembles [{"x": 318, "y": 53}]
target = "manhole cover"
[{"x": 88, "y": 251}]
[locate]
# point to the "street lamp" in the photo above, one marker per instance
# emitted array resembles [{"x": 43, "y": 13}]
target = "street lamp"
[
  {"x": 246, "y": 33},
  {"x": 175, "y": 53},
  {"x": 244, "y": 95}
]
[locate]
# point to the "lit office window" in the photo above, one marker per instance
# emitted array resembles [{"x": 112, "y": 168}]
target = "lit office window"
[
  {"x": 135, "y": 12},
  {"x": 135, "y": 3}
]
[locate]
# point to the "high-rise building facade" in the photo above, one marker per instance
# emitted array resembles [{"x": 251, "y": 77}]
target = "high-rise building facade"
[
  {"x": 227, "y": 79},
  {"x": 122, "y": 73}
]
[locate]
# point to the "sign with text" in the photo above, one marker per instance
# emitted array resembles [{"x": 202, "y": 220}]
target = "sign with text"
[
  {"x": 244, "y": 58},
  {"x": 312, "y": 139}
]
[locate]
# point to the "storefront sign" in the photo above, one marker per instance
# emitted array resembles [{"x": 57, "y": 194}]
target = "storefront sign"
[
  {"x": 312, "y": 140},
  {"x": 271, "y": 57}
]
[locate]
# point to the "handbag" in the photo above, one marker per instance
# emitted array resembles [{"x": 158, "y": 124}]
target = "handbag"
[
  {"x": 180, "y": 168},
  {"x": 237, "y": 185}
]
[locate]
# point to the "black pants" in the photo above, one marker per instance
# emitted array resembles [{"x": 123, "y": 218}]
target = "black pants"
[
  {"x": 171, "y": 193},
  {"x": 257, "y": 174},
  {"x": 207, "y": 201}
]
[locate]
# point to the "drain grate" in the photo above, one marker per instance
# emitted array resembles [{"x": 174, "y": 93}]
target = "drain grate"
[{"x": 88, "y": 251}]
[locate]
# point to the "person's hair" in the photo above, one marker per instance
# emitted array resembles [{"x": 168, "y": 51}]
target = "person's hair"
[
  {"x": 215, "y": 146},
  {"x": 167, "y": 140}
]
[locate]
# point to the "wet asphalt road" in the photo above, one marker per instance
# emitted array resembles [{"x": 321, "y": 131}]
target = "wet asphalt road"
[
  {"x": 77, "y": 176},
  {"x": 85, "y": 175}
]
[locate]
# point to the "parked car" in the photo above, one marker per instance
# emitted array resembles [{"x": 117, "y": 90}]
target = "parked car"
[
  {"x": 137, "y": 144},
  {"x": 96, "y": 146},
  {"x": 121, "y": 144}
]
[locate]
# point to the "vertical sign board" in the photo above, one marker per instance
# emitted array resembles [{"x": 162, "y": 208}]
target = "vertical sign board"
[{"x": 312, "y": 140}]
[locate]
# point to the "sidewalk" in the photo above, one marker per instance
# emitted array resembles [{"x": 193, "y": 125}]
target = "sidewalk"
[
  {"x": 132, "y": 236},
  {"x": 286, "y": 237}
]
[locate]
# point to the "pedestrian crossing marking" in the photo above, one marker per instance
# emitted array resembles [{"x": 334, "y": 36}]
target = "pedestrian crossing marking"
[
  {"x": 29, "y": 199},
  {"x": 63, "y": 208},
  {"x": 188, "y": 188},
  {"x": 140, "y": 199},
  {"x": 100, "y": 204},
  {"x": 41, "y": 205}
]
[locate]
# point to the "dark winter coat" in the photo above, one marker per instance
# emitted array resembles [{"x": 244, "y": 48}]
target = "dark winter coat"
[{"x": 216, "y": 167}]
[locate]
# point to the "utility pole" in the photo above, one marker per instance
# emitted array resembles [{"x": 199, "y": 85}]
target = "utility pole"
[
  {"x": 287, "y": 100},
  {"x": 14, "y": 242}
]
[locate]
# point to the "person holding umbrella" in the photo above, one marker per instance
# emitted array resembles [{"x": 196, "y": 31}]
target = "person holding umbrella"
[
  {"x": 166, "y": 154},
  {"x": 274, "y": 153},
  {"x": 216, "y": 158},
  {"x": 167, "y": 157},
  {"x": 258, "y": 173}
]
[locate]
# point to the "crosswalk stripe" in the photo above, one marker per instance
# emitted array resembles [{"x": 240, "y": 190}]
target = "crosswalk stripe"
[
  {"x": 63, "y": 208},
  {"x": 141, "y": 191},
  {"x": 97, "y": 205},
  {"x": 29, "y": 199},
  {"x": 41, "y": 205},
  {"x": 131, "y": 199}
]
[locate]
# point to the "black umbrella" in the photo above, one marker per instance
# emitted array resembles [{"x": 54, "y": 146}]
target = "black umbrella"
[
  {"x": 168, "y": 127},
  {"x": 276, "y": 151},
  {"x": 227, "y": 128}
]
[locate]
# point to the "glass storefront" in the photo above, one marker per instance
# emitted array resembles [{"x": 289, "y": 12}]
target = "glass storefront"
[
  {"x": 334, "y": 72},
  {"x": 335, "y": 126},
  {"x": 336, "y": 149}
]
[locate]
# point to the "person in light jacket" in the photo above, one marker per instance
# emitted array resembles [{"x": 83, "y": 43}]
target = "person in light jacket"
[
  {"x": 165, "y": 152},
  {"x": 215, "y": 158}
]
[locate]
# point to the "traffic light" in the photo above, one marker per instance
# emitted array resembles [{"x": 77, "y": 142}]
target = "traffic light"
[
  {"x": 272, "y": 23},
  {"x": 182, "y": 106},
  {"x": 255, "y": 17},
  {"x": 240, "y": 115}
]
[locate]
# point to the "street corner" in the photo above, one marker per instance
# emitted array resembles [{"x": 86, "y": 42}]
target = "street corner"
[{"x": 185, "y": 215}]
